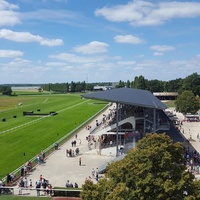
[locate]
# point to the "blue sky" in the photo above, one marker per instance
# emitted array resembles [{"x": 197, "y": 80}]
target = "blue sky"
[{"x": 56, "y": 41}]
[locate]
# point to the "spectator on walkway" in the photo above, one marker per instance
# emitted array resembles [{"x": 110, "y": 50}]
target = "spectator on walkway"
[
  {"x": 38, "y": 186},
  {"x": 29, "y": 165},
  {"x": 25, "y": 182},
  {"x": 80, "y": 161},
  {"x": 39, "y": 159},
  {"x": 56, "y": 146},
  {"x": 8, "y": 179},
  {"x": 77, "y": 151},
  {"x": 40, "y": 178},
  {"x": 44, "y": 185},
  {"x": 42, "y": 156},
  {"x": 49, "y": 189},
  {"x": 30, "y": 183},
  {"x": 21, "y": 185},
  {"x": 93, "y": 173},
  {"x": 22, "y": 171},
  {"x": 67, "y": 184},
  {"x": 76, "y": 185},
  {"x": 97, "y": 174}
]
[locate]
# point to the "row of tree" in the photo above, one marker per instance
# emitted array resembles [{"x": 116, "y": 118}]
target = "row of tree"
[
  {"x": 191, "y": 82},
  {"x": 71, "y": 87}
]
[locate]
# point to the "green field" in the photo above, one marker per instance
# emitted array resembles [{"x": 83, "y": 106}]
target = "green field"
[
  {"x": 170, "y": 104},
  {"x": 23, "y": 137}
]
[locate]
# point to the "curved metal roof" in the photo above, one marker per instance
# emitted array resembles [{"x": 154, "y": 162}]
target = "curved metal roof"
[{"x": 128, "y": 96}]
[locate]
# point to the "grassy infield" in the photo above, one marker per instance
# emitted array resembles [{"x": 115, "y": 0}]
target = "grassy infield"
[{"x": 31, "y": 139}]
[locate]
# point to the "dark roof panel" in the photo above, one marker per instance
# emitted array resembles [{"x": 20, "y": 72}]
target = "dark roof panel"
[{"x": 129, "y": 96}]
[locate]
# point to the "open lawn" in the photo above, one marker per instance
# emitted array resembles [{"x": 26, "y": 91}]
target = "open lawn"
[
  {"x": 170, "y": 103},
  {"x": 23, "y": 137}
]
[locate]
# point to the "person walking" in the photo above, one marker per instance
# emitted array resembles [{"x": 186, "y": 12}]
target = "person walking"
[
  {"x": 80, "y": 161},
  {"x": 93, "y": 173}
]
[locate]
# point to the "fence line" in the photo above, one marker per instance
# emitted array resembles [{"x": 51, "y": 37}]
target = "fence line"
[{"x": 11, "y": 190}]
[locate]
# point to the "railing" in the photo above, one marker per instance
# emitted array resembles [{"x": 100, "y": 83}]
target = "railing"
[
  {"x": 6, "y": 190},
  {"x": 48, "y": 192},
  {"x": 102, "y": 167}
]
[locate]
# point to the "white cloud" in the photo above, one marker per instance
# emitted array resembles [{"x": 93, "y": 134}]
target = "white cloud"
[
  {"x": 92, "y": 48},
  {"x": 157, "y": 53},
  {"x": 126, "y": 63},
  {"x": 130, "y": 39},
  {"x": 78, "y": 59},
  {"x": 55, "y": 16},
  {"x": 162, "y": 48},
  {"x": 143, "y": 13},
  {"x": 18, "y": 62},
  {"x": 55, "y": 64},
  {"x": 10, "y": 53},
  {"x": 28, "y": 37},
  {"x": 7, "y": 14}
]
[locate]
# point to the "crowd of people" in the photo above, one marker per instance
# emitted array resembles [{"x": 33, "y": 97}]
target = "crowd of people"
[
  {"x": 3, "y": 189},
  {"x": 70, "y": 184},
  {"x": 41, "y": 185},
  {"x": 192, "y": 160},
  {"x": 72, "y": 153},
  {"x": 41, "y": 157}
]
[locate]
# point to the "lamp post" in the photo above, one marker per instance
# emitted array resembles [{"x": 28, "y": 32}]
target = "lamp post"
[
  {"x": 190, "y": 135},
  {"x": 117, "y": 134}
]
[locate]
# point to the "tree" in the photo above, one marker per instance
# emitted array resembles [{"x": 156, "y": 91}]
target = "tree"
[
  {"x": 128, "y": 84},
  {"x": 72, "y": 86},
  {"x": 173, "y": 85},
  {"x": 153, "y": 170},
  {"x": 120, "y": 85},
  {"x": 139, "y": 83},
  {"x": 187, "y": 103},
  {"x": 191, "y": 83},
  {"x": 6, "y": 90},
  {"x": 155, "y": 86}
]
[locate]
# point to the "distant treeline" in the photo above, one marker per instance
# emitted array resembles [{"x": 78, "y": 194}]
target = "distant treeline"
[
  {"x": 72, "y": 87},
  {"x": 191, "y": 82}
]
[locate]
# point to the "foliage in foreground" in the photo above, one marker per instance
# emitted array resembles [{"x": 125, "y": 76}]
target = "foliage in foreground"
[{"x": 153, "y": 170}]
